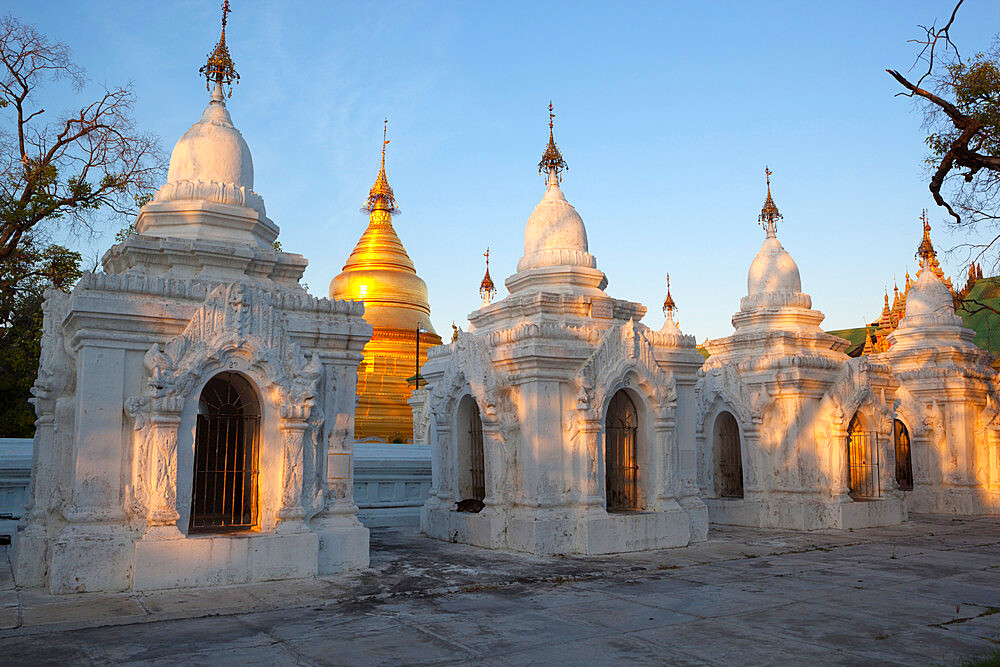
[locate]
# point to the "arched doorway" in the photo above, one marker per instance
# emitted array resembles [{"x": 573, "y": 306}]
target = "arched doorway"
[
  {"x": 862, "y": 461},
  {"x": 472, "y": 461},
  {"x": 901, "y": 446},
  {"x": 621, "y": 468},
  {"x": 224, "y": 493},
  {"x": 729, "y": 462}
]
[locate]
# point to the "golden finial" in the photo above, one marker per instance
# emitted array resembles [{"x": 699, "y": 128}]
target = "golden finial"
[
  {"x": 669, "y": 306},
  {"x": 552, "y": 160},
  {"x": 454, "y": 332},
  {"x": 769, "y": 214},
  {"x": 220, "y": 67},
  {"x": 487, "y": 290},
  {"x": 925, "y": 250},
  {"x": 380, "y": 197}
]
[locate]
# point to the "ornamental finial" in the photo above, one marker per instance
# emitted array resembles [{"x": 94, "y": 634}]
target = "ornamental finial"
[
  {"x": 925, "y": 250},
  {"x": 220, "y": 67},
  {"x": 552, "y": 160},
  {"x": 769, "y": 214},
  {"x": 380, "y": 197},
  {"x": 669, "y": 306},
  {"x": 487, "y": 290}
]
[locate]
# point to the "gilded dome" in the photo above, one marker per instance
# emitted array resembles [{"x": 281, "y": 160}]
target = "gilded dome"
[{"x": 213, "y": 149}]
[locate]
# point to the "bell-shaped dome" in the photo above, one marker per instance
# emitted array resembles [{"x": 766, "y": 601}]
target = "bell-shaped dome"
[
  {"x": 555, "y": 234},
  {"x": 212, "y": 162},
  {"x": 773, "y": 270},
  {"x": 213, "y": 149},
  {"x": 929, "y": 296}
]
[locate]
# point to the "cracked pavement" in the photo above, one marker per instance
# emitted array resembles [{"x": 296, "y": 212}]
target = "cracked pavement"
[{"x": 927, "y": 592}]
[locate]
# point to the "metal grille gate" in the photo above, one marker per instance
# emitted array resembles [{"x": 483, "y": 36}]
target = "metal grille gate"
[
  {"x": 904, "y": 464},
  {"x": 620, "y": 465},
  {"x": 476, "y": 457},
  {"x": 224, "y": 494},
  {"x": 730, "y": 461},
  {"x": 863, "y": 464}
]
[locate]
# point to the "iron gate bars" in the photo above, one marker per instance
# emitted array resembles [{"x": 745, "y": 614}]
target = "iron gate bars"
[
  {"x": 904, "y": 464},
  {"x": 476, "y": 457},
  {"x": 225, "y": 475},
  {"x": 620, "y": 464},
  {"x": 863, "y": 465},
  {"x": 730, "y": 462}
]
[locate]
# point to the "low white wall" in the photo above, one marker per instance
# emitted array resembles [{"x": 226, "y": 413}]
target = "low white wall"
[
  {"x": 391, "y": 483},
  {"x": 15, "y": 473}
]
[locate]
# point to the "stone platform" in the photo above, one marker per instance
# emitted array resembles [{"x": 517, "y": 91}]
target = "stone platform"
[{"x": 927, "y": 592}]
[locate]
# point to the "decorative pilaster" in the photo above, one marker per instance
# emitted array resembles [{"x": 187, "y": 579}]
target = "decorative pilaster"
[{"x": 294, "y": 424}]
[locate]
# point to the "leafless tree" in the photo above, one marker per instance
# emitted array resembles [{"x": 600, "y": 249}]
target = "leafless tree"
[
  {"x": 961, "y": 99},
  {"x": 71, "y": 167}
]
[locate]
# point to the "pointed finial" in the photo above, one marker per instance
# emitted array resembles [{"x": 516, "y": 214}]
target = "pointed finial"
[
  {"x": 380, "y": 197},
  {"x": 454, "y": 332},
  {"x": 487, "y": 290},
  {"x": 769, "y": 214},
  {"x": 220, "y": 67},
  {"x": 669, "y": 306},
  {"x": 552, "y": 160},
  {"x": 925, "y": 250}
]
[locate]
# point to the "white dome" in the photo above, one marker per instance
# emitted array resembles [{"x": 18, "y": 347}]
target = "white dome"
[
  {"x": 213, "y": 150},
  {"x": 555, "y": 234},
  {"x": 773, "y": 270},
  {"x": 929, "y": 296}
]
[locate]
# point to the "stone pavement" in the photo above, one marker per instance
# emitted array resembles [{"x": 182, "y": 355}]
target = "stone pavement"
[{"x": 927, "y": 592}]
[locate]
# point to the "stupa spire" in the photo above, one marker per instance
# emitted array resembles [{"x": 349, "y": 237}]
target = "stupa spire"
[
  {"x": 669, "y": 306},
  {"x": 220, "y": 67},
  {"x": 552, "y": 160},
  {"x": 380, "y": 197},
  {"x": 769, "y": 214},
  {"x": 487, "y": 290},
  {"x": 927, "y": 255}
]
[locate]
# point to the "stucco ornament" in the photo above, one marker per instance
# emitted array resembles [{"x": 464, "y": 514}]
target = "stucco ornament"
[
  {"x": 236, "y": 328},
  {"x": 624, "y": 358},
  {"x": 725, "y": 384}
]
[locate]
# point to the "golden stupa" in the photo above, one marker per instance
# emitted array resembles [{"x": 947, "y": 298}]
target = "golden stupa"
[{"x": 380, "y": 273}]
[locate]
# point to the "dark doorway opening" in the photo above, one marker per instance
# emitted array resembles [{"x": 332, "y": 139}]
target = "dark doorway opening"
[
  {"x": 224, "y": 496},
  {"x": 621, "y": 466}
]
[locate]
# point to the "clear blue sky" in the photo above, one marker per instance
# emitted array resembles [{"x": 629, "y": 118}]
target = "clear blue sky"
[{"x": 666, "y": 114}]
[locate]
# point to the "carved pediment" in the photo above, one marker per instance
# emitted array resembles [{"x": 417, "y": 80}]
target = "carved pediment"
[
  {"x": 624, "y": 348},
  {"x": 239, "y": 327},
  {"x": 725, "y": 383}
]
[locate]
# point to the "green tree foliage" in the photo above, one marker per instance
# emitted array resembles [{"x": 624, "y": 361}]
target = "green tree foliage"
[{"x": 24, "y": 277}]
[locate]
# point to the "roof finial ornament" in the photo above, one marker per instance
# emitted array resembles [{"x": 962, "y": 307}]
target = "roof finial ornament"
[
  {"x": 669, "y": 306},
  {"x": 769, "y": 214},
  {"x": 552, "y": 160},
  {"x": 380, "y": 197},
  {"x": 220, "y": 67},
  {"x": 487, "y": 290}
]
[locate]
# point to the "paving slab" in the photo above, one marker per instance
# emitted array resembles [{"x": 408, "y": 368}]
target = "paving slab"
[{"x": 924, "y": 593}]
